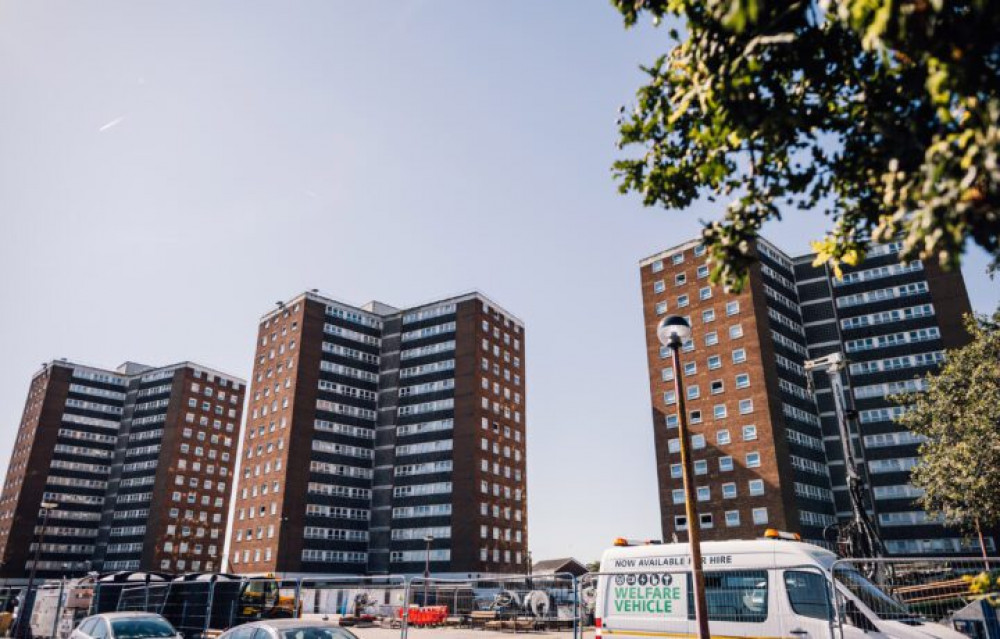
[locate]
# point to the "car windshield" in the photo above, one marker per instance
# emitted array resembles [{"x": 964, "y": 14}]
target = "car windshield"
[
  {"x": 877, "y": 601},
  {"x": 317, "y": 633},
  {"x": 142, "y": 627}
]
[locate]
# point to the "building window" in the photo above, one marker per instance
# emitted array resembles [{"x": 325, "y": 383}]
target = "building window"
[
  {"x": 677, "y": 495},
  {"x": 735, "y": 331},
  {"x": 704, "y": 493},
  {"x": 680, "y": 522},
  {"x": 703, "y": 271},
  {"x": 659, "y": 286},
  {"x": 739, "y": 356},
  {"x": 732, "y": 518},
  {"x": 729, "y": 490},
  {"x": 719, "y": 411},
  {"x": 708, "y": 315},
  {"x": 701, "y": 467},
  {"x": 680, "y": 279},
  {"x": 699, "y": 250},
  {"x": 716, "y": 386},
  {"x": 690, "y": 368},
  {"x": 746, "y": 406},
  {"x": 749, "y": 433},
  {"x": 657, "y": 266},
  {"x": 676, "y": 471},
  {"x": 705, "y": 292},
  {"x": 667, "y": 374},
  {"x": 661, "y": 308},
  {"x": 760, "y": 516},
  {"x": 671, "y": 421},
  {"x": 695, "y": 416},
  {"x": 743, "y": 380},
  {"x": 753, "y": 460},
  {"x": 711, "y": 339},
  {"x": 722, "y": 437},
  {"x": 732, "y": 308},
  {"x": 698, "y": 441},
  {"x": 756, "y": 487},
  {"x": 677, "y": 258},
  {"x": 714, "y": 362},
  {"x": 669, "y": 397},
  {"x": 682, "y": 301},
  {"x": 725, "y": 463},
  {"x": 693, "y": 392},
  {"x": 674, "y": 445},
  {"x": 706, "y": 520}
]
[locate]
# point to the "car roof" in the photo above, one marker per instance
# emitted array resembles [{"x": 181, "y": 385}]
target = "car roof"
[
  {"x": 288, "y": 624},
  {"x": 128, "y": 615}
]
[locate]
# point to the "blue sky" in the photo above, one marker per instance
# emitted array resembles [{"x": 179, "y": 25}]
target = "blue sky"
[{"x": 168, "y": 170}]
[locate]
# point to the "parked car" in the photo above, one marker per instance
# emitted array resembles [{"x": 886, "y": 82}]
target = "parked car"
[
  {"x": 125, "y": 625},
  {"x": 288, "y": 629}
]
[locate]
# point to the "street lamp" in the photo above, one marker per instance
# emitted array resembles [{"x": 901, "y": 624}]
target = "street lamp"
[
  {"x": 427, "y": 564},
  {"x": 22, "y": 616},
  {"x": 672, "y": 332}
]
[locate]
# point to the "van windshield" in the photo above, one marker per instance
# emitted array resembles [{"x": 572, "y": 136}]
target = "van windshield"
[{"x": 877, "y": 601}]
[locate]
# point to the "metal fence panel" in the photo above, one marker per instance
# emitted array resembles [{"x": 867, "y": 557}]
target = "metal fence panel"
[
  {"x": 353, "y": 601},
  {"x": 960, "y": 593},
  {"x": 516, "y": 603}
]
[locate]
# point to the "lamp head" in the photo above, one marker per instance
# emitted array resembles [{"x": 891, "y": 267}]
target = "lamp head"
[
  {"x": 673, "y": 330},
  {"x": 429, "y": 538}
]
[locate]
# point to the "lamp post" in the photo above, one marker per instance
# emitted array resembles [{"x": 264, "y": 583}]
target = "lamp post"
[
  {"x": 23, "y": 615},
  {"x": 427, "y": 564},
  {"x": 672, "y": 332}
]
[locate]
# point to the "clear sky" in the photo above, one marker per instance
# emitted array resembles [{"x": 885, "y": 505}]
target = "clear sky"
[{"x": 168, "y": 170}]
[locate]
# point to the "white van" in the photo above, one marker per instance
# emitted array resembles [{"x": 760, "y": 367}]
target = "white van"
[{"x": 765, "y": 589}]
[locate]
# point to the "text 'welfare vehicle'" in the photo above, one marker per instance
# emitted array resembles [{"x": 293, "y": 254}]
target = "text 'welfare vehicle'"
[{"x": 765, "y": 589}]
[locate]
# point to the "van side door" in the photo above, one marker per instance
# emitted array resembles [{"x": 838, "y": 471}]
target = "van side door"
[{"x": 810, "y": 611}]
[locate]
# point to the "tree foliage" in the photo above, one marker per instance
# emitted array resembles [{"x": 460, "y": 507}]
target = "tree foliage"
[
  {"x": 882, "y": 113},
  {"x": 959, "y": 414}
]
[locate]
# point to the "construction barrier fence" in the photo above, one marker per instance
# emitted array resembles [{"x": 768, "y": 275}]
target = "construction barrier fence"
[
  {"x": 520, "y": 603},
  {"x": 850, "y": 599}
]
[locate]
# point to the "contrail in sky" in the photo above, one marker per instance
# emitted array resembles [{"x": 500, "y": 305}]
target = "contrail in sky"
[{"x": 110, "y": 124}]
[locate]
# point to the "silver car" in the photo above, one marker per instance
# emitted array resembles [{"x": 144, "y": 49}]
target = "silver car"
[
  {"x": 288, "y": 629},
  {"x": 125, "y": 625}
]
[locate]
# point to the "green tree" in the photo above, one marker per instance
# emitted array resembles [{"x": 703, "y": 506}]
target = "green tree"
[
  {"x": 881, "y": 113},
  {"x": 959, "y": 414}
]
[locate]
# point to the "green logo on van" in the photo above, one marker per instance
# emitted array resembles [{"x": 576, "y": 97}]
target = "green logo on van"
[{"x": 654, "y": 595}]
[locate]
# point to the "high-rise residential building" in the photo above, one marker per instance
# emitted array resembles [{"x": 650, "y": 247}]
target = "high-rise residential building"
[
  {"x": 767, "y": 449},
  {"x": 138, "y": 463},
  {"x": 377, "y": 437}
]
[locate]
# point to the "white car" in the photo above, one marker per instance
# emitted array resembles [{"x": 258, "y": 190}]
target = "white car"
[
  {"x": 288, "y": 629},
  {"x": 125, "y": 625}
]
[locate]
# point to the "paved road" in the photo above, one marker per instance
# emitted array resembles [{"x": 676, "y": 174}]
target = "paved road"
[{"x": 461, "y": 633}]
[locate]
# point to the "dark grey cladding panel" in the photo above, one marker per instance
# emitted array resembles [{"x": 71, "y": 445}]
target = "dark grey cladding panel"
[
  {"x": 820, "y": 351},
  {"x": 381, "y": 498},
  {"x": 834, "y": 451},
  {"x": 813, "y": 291},
  {"x": 804, "y": 270},
  {"x": 383, "y": 477},
  {"x": 817, "y": 312},
  {"x": 838, "y": 475},
  {"x": 820, "y": 333},
  {"x": 830, "y": 427}
]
